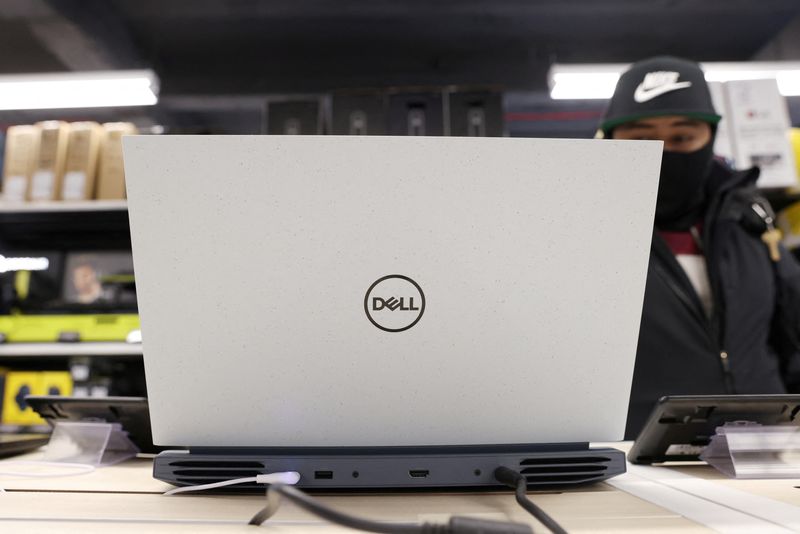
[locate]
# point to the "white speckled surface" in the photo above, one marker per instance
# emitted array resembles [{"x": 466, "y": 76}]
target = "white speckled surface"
[{"x": 253, "y": 256}]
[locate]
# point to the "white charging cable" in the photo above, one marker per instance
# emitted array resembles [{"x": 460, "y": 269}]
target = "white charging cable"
[
  {"x": 285, "y": 477},
  {"x": 75, "y": 469}
]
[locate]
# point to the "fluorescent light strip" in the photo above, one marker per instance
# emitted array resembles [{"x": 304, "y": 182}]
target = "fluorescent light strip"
[
  {"x": 583, "y": 85},
  {"x": 23, "y": 264},
  {"x": 78, "y": 90},
  {"x": 578, "y": 82}
]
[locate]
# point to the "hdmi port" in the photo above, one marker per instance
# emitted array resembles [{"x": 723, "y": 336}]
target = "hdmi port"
[{"x": 419, "y": 473}]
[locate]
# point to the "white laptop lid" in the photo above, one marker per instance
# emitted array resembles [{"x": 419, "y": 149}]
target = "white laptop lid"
[{"x": 254, "y": 255}]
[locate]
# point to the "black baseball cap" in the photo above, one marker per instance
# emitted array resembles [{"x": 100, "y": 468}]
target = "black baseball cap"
[{"x": 659, "y": 86}]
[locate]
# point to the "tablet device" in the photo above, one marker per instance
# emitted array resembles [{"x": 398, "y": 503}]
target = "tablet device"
[
  {"x": 130, "y": 412},
  {"x": 680, "y": 427},
  {"x": 13, "y": 444}
]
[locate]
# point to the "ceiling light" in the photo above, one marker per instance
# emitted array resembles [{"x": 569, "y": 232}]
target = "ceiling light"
[
  {"x": 597, "y": 81},
  {"x": 23, "y": 264},
  {"x": 78, "y": 90}
]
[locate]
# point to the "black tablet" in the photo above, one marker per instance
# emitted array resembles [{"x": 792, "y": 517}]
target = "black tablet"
[
  {"x": 130, "y": 412},
  {"x": 681, "y": 426},
  {"x": 13, "y": 444}
]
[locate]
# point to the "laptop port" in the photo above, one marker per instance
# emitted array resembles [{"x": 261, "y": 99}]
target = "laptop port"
[
  {"x": 419, "y": 473},
  {"x": 323, "y": 475}
]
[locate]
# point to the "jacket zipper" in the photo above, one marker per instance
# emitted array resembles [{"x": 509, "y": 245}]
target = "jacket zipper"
[
  {"x": 715, "y": 323},
  {"x": 716, "y": 337},
  {"x": 726, "y": 371},
  {"x": 713, "y": 337}
]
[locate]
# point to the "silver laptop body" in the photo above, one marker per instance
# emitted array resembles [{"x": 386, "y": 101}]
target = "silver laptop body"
[{"x": 432, "y": 295}]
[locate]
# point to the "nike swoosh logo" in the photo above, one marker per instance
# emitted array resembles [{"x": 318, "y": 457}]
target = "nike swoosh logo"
[{"x": 643, "y": 95}]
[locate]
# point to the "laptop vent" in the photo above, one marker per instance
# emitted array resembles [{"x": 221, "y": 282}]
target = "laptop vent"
[
  {"x": 217, "y": 463},
  {"x": 191, "y": 472},
  {"x": 554, "y": 471}
]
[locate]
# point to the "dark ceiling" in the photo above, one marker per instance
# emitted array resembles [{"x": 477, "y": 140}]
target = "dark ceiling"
[
  {"x": 226, "y": 49},
  {"x": 318, "y": 45}
]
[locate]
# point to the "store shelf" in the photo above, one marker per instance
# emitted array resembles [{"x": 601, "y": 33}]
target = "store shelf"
[
  {"x": 95, "y": 224},
  {"x": 64, "y": 206},
  {"x": 70, "y": 349}
]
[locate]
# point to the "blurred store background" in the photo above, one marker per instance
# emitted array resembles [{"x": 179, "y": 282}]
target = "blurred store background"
[{"x": 77, "y": 75}]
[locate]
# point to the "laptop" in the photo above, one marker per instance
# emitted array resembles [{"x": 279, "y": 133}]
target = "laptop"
[{"x": 389, "y": 312}]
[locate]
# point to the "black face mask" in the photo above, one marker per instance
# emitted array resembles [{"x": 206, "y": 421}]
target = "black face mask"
[{"x": 681, "y": 190}]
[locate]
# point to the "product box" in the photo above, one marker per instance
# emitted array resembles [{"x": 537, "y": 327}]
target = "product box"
[
  {"x": 111, "y": 172},
  {"x": 49, "y": 171},
  {"x": 476, "y": 114},
  {"x": 83, "y": 149},
  {"x": 722, "y": 143},
  {"x": 2, "y": 150},
  {"x": 359, "y": 114},
  {"x": 295, "y": 117},
  {"x": 759, "y": 124},
  {"x": 21, "y": 152},
  {"x": 789, "y": 224},
  {"x": 416, "y": 114},
  {"x": 68, "y": 328},
  {"x": 16, "y": 385},
  {"x": 55, "y": 383}
]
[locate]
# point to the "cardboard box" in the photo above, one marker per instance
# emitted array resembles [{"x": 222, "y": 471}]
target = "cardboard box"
[
  {"x": 83, "y": 149},
  {"x": 49, "y": 172},
  {"x": 111, "y": 172},
  {"x": 22, "y": 150}
]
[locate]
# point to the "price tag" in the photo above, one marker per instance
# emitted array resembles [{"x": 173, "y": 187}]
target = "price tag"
[
  {"x": 74, "y": 186},
  {"x": 14, "y": 188},
  {"x": 43, "y": 185}
]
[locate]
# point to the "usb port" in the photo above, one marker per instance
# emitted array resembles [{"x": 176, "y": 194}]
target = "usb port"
[
  {"x": 323, "y": 475},
  {"x": 419, "y": 473}
]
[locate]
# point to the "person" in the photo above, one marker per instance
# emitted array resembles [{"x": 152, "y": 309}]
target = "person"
[
  {"x": 721, "y": 310},
  {"x": 86, "y": 283}
]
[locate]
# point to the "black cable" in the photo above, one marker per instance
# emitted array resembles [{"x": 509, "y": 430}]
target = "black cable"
[
  {"x": 456, "y": 525},
  {"x": 516, "y": 480},
  {"x": 310, "y": 504}
]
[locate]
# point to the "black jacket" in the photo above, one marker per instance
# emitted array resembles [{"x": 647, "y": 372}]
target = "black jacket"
[{"x": 750, "y": 344}]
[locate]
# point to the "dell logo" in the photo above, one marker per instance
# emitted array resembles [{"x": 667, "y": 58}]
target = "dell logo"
[{"x": 394, "y": 303}]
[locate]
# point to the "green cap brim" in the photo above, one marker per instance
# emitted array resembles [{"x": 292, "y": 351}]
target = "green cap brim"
[{"x": 610, "y": 124}]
